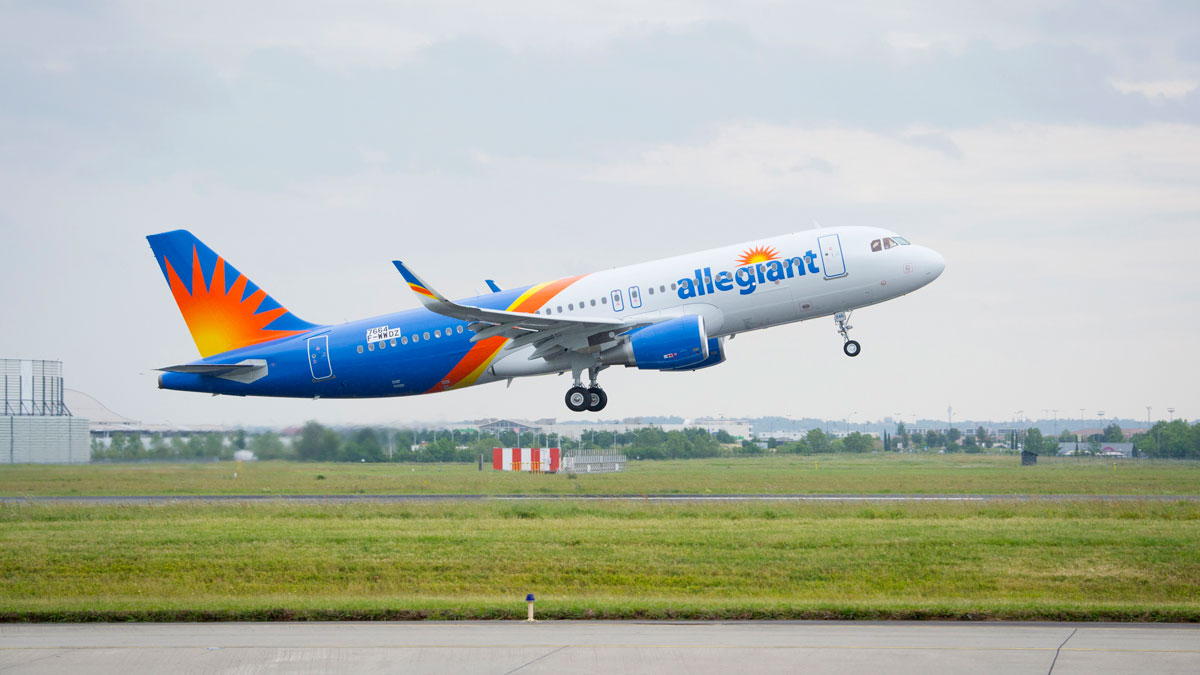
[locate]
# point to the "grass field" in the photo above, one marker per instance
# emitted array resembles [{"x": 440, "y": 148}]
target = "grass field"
[
  {"x": 1019, "y": 560},
  {"x": 855, "y": 474}
]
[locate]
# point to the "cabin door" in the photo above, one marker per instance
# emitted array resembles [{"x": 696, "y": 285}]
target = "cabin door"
[
  {"x": 833, "y": 264},
  {"x": 318, "y": 357}
]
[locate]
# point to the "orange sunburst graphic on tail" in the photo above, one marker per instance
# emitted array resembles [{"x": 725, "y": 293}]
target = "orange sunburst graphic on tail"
[
  {"x": 758, "y": 254},
  {"x": 218, "y": 320}
]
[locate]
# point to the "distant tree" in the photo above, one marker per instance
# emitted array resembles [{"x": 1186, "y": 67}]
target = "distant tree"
[
  {"x": 953, "y": 435},
  {"x": 858, "y": 442},
  {"x": 315, "y": 441},
  {"x": 239, "y": 439},
  {"x": 363, "y": 445},
  {"x": 1067, "y": 437},
  {"x": 158, "y": 447},
  {"x": 934, "y": 439},
  {"x": 1034, "y": 442},
  {"x": 1113, "y": 434},
  {"x": 818, "y": 442},
  {"x": 268, "y": 445},
  {"x": 982, "y": 438},
  {"x": 723, "y": 437}
]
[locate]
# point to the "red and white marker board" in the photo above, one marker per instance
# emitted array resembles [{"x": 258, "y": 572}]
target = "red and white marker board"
[{"x": 535, "y": 460}]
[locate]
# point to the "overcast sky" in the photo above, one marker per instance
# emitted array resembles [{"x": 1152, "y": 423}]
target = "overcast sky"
[{"x": 1050, "y": 151}]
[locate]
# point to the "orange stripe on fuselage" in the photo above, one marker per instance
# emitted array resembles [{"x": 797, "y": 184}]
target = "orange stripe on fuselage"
[{"x": 476, "y": 360}]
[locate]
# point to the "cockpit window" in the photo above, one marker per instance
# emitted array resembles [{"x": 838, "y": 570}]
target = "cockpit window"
[{"x": 888, "y": 242}]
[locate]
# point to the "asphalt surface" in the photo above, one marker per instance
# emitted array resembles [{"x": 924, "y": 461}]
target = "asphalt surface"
[
  {"x": 691, "y": 498},
  {"x": 896, "y": 648}
]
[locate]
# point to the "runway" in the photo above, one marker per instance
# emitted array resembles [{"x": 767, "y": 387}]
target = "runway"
[
  {"x": 666, "y": 497},
  {"x": 898, "y": 648}
]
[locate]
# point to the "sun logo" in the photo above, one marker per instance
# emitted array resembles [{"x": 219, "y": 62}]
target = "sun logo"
[
  {"x": 758, "y": 254},
  {"x": 221, "y": 320}
]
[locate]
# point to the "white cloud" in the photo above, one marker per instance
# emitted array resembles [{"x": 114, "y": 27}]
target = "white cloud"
[
  {"x": 1156, "y": 89},
  {"x": 1006, "y": 171}
]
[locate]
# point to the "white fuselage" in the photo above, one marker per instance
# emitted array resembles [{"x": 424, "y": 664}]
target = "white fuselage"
[{"x": 799, "y": 276}]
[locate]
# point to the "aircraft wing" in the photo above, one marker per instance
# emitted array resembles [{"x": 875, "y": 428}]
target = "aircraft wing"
[{"x": 549, "y": 334}]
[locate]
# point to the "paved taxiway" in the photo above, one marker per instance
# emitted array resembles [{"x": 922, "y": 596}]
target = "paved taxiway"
[
  {"x": 897, "y": 648},
  {"x": 690, "y": 498}
]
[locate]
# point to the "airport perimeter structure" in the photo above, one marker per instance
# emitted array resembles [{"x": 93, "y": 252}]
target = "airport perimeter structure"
[{"x": 36, "y": 426}]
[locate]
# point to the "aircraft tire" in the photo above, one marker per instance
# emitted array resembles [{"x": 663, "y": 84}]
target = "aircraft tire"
[
  {"x": 597, "y": 399},
  {"x": 578, "y": 399},
  {"x": 852, "y": 348}
]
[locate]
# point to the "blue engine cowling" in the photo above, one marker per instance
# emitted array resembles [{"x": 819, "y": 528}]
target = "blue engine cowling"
[
  {"x": 677, "y": 344},
  {"x": 716, "y": 354}
]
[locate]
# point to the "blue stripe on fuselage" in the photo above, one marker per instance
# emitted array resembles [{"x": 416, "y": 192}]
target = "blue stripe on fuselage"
[{"x": 402, "y": 370}]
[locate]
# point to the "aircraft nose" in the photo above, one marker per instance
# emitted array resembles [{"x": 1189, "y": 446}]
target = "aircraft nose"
[{"x": 936, "y": 264}]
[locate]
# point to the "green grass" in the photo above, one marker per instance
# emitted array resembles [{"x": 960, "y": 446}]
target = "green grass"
[
  {"x": 856, "y": 474},
  {"x": 1020, "y": 560}
]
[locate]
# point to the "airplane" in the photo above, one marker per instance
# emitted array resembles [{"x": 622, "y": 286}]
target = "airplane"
[{"x": 673, "y": 314}]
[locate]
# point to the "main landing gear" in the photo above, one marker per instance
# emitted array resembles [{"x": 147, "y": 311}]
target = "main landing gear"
[
  {"x": 851, "y": 347},
  {"x": 592, "y": 398}
]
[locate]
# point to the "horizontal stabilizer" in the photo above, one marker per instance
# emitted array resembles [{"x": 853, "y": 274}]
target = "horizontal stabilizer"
[{"x": 244, "y": 371}]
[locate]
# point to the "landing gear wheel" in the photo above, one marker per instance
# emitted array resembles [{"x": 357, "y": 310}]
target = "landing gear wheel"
[
  {"x": 852, "y": 348},
  {"x": 597, "y": 399},
  {"x": 578, "y": 399}
]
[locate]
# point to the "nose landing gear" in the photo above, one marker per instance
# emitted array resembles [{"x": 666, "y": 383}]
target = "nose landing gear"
[
  {"x": 592, "y": 399},
  {"x": 851, "y": 347}
]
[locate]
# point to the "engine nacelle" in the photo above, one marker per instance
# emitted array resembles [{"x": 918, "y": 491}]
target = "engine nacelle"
[
  {"x": 716, "y": 354},
  {"x": 671, "y": 345}
]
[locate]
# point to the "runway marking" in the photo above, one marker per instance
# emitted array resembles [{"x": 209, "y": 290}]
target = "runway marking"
[{"x": 559, "y": 647}]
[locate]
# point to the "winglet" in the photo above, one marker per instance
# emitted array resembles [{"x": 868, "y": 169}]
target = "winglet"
[
  {"x": 425, "y": 294},
  {"x": 492, "y": 285}
]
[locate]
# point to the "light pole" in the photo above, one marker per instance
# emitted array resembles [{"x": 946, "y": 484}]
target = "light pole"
[
  {"x": 846, "y": 423},
  {"x": 1147, "y": 418},
  {"x": 1081, "y": 423},
  {"x": 1170, "y": 414}
]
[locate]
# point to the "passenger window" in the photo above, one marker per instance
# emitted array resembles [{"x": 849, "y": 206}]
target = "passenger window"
[
  {"x": 360, "y": 349},
  {"x": 663, "y": 289},
  {"x": 393, "y": 342},
  {"x": 560, "y": 309},
  {"x": 672, "y": 285},
  {"x": 416, "y": 338},
  {"x": 403, "y": 339},
  {"x": 650, "y": 290},
  {"x": 875, "y": 246},
  {"x": 426, "y": 335},
  {"x": 571, "y": 307},
  {"x": 458, "y": 330},
  {"x": 383, "y": 344},
  {"x": 604, "y": 301},
  {"x": 370, "y": 346},
  {"x": 593, "y": 302},
  {"x": 437, "y": 333}
]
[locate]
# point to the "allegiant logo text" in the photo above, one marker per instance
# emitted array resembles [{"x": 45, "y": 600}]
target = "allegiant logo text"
[{"x": 747, "y": 278}]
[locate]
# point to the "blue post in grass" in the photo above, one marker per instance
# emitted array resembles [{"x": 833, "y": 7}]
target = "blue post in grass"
[{"x": 529, "y": 598}]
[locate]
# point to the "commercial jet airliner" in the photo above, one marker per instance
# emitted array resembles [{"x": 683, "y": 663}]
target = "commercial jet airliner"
[{"x": 672, "y": 314}]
